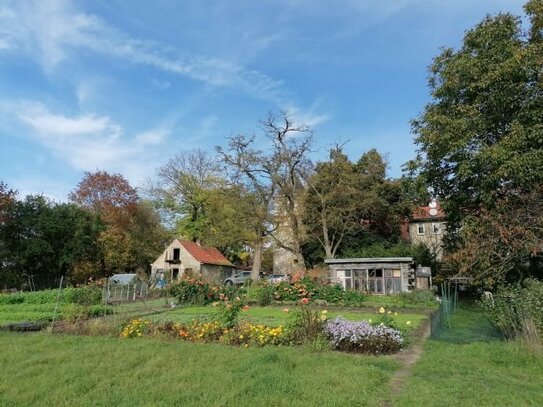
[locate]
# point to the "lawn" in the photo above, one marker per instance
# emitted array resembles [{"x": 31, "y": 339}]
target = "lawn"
[
  {"x": 274, "y": 316},
  {"x": 43, "y": 369},
  {"x": 469, "y": 365}
]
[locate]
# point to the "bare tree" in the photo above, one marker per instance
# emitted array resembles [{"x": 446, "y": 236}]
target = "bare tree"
[{"x": 277, "y": 180}]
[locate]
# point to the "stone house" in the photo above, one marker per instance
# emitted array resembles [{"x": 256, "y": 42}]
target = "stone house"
[
  {"x": 185, "y": 258},
  {"x": 427, "y": 226}
]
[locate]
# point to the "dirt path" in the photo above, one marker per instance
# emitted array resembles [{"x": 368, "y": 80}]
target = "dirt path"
[{"x": 408, "y": 358}]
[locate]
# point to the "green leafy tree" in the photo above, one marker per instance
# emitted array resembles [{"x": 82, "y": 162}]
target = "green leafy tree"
[
  {"x": 332, "y": 201},
  {"x": 480, "y": 139}
]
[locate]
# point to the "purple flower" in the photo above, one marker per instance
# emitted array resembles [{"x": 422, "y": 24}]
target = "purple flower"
[{"x": 362, "y": 336}]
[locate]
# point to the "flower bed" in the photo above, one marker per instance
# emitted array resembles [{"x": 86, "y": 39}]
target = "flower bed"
[{"x": 363, "y": 337}]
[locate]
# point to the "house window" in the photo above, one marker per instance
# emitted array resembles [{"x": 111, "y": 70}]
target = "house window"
[
  {"x": 420, "y": 229},
  {"x": 176, "y": 254},
  {"x": 175, "y": 274},
  {"x": 436, "y": 228}
]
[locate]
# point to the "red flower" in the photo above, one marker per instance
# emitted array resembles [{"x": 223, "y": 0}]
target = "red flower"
[{"x": 304, "y": 301}]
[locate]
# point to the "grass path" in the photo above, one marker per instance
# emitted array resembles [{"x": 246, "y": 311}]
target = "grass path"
[
  {"x": 470, "y": 365},
  {"x": 408, "y": 359}
]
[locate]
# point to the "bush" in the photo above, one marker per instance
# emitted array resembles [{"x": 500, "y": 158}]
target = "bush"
[
  {"x": 196, "y": 292},
  {"x": 362, "y": 337},
  {"x": 82, "y": 295},
  {"x": 305, "y": 325},
  {"x": 516, "y": 311},
  {"x": 307, "y": 288},
  {"x": 418, "y": 297},
  {"x": 264, "y": 295},
  {"x": 353, "y": 298}
]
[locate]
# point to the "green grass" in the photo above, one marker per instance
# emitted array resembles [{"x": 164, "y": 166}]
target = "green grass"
[
  {"x": 42, "y": 369},
  {"x": 469, "y": 365},
  {"x": 274, "y": 316}
]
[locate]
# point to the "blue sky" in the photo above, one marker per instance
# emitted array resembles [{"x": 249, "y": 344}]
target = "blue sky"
[{"x": 122, "y": 86}]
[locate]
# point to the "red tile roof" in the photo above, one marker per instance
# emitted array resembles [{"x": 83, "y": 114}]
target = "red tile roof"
[
  {"x": 206, "y": 255},
  {"x": 423, "y": 213}
]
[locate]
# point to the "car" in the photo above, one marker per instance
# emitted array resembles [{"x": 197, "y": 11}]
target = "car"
[
  {"x": 238, "y": 278},
  {"x": 277, "y": 278}
]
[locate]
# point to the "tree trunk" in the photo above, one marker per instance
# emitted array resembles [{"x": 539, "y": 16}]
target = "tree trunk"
[{"x": 257, "y": 259}]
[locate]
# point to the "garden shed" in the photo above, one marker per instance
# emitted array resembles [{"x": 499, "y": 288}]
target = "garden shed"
[{"x": 378, "y": 275}]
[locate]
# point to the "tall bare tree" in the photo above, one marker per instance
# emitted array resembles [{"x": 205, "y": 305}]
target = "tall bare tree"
[{"x": 276, "y": 179}]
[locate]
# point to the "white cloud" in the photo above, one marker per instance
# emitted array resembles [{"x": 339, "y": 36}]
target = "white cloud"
[
  {"x": 54, "y": 28},
  {"x": 88, "y": 142}
]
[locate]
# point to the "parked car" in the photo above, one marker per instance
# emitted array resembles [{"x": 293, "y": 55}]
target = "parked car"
[
  {"x": 277, "y": 278},
  {"x": 238, "y": 278}
]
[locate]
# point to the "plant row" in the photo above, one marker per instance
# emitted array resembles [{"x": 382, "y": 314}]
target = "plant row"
[{"x": 305, "y": 325}]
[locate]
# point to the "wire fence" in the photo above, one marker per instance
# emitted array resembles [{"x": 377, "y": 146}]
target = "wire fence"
[
  {"x": 441, "y": 319},
  {"x": 114, "y": 292}
]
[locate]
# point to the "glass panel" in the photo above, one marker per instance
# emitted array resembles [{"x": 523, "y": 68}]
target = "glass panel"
[
  {"x": 388, "y": 273},
  {"x": 340, "y": 273},
  {"x": 347, "y": 273},
  {"x": 348, "y": 285},
  {"x": 396, "y": 273},
  {"x": 372, "y": 273},
  {"x": 357, "y": 273},
  {"x": 379, "y": 273},
  {"x": 397, "y": 283},
  {"x": 379, "y": 285},
  {"x": 357, "y": 284}
]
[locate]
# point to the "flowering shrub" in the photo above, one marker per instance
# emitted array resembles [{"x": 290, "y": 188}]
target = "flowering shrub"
[
  {"x": 197, "y": 292},
  {"x": 229, "y": 310},
  {"x": 246, "y": 333},
  {"x": 362, "y": 337},
  {"x": 135, "y": 328},
  {"x": 307, "y": 288},
  {"x": 198, "y": 331},
  {"x": 305, "y": 324}
]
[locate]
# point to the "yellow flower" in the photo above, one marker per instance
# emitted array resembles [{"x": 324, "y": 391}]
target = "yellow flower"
[
  {"x": 408, "y": 322},
  {"x": 241, "y": 337},
  {"x": 381, "y": 310},
  {"x": 323, "y": 317},
  {"x": 389, "y": 312},
  {"x": 324, "y": 311},
  {"x": 369, "y": 320},
  {"x": 395, "y": 314}
]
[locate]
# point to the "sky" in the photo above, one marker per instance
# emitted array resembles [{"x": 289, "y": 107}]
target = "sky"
[{"x": 123, "y": 86}]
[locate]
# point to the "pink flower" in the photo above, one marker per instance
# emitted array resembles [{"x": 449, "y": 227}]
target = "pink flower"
[
  {"x": 245, "y": 308},
  {"x": 304, "y": 301}
]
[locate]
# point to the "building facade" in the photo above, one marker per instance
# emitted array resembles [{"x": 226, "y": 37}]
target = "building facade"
[{"x": 188, "y": 259}]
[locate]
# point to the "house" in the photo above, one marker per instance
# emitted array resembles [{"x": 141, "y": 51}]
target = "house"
[
  {"x": 184, "y": 258},
  {"x": 427, "y": 226},
  {"x": 378, "y": 275}
]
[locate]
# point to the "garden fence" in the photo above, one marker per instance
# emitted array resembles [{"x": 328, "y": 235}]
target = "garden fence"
[
  {"x": 114, "y": 292},
  {"x": 441, "y": 319}
]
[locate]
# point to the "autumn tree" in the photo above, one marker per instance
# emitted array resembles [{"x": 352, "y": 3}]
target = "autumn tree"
[
  {"x": 132, "y": 236},
  {"x": 480, "y": 139}
]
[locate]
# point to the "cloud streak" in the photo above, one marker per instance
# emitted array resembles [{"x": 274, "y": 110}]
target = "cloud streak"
[{"x": 89, "y": 142}]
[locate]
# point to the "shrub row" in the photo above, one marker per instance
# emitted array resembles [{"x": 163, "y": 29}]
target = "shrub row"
[
  {"x": 83, "y": 296},
  {"x": 515, "y": 309}
]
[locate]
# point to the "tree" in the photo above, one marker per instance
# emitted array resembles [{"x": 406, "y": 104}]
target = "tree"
[
  {"x": 332, "y": 201},
  {"x": 132, "y": 235},
  {"x": 42, "y": 241},
  {"x": 275, "y": 181},
  {"x": 183, "y": 190},
  {"x": 500, "y": 244},
  {"x": 481, "y": 138}
]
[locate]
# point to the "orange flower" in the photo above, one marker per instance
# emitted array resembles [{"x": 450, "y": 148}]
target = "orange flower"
[{"x": 245, "y": 308}]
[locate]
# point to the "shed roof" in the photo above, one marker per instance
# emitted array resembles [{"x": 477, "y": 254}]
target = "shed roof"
[
  {"x": 206, "y": 255},
  {"x": 363, "y": 260}
]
